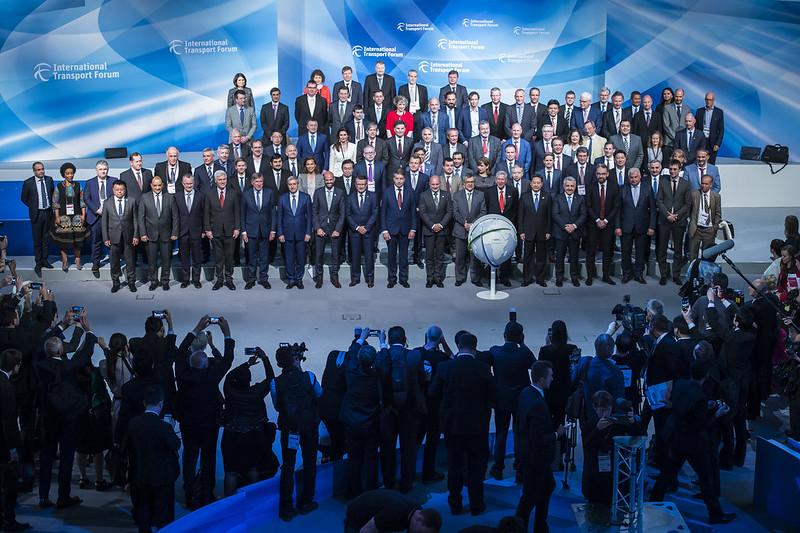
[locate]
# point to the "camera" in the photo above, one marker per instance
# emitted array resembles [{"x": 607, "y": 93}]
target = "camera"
[
  {"x": 633, "y": 319},
  {"x": 213, "y": 320},
  {"x": 250, "y": 350},
  {"x": 76, "y": 311},
  {"x": 297, "y": 350},
  {"x": 685, "y": 304},
  {"x": 372, "y": 333},
  {"x": 734, "y": 295},
  {"x": 512, "y": 314},
  {"x": 160, "y": 314},
  {"x": 36, "y": 285}
]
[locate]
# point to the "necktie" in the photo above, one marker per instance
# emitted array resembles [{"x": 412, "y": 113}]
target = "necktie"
[
  {"x": 502, "y": 199},
  {"x": 258, "y": 200},
  {"x": 568, "y": 114},
  {"x": 635, "y": 192},
  {"x": 360, "y": 200},
  {"x": 241, "y": 116},
  {"x": 451, "y": 117},
  {"x": 674, "y": 187},
  {"x": 519, "y": 114},
  {"x": 277, "y": 179},
  {"x": 341, "y": 110},
  {"x": 689, "y": 136},
  {"x": 516, "y": 150},
  {"x": 647, "y": 117},
  {"x": 414, "y": 177},
  {"x": 620, "y": 178},
  {"x": 347, "y": 184},
  {"x": 558, "y": 162},
  {"x": 547, "y": 147},
  {"x": 400, "y": 146},
  {"x": 172, "y": 175},
  {"x": 517, "y": 185},
  {"x": 590, "y": 147},
  {"x": 485, "y": 148},
  {"x": 654, "y": 179},
  {"x": 469, "y": 201},
  {"x": 380, "y": 82},
  {"x": 139, "y": 179},
  {"x": 102, "y": 189},
  {"x": 43, "y": 195},
  {"x": 434, "y": 127},
  {"x": 120, "y": 210},
  {"x": 705, "y": 202},
  {"x": 510, "y": 167},
  {"x": 496, "y": 114},
  {"x": 627, "y": 143},
  {"x": 349, "y": 94},
  {"x": 294, "y": 169},
  {"x": 158, "y": 205},
  {"x": 602, "y": 201},
  {"x": 241, "y": 183},
  {"x": 278, "y": 149},
  {"x": 581, "y": 172},
  {"x": 369, "y": 172},
  {"x": 447, "y": 181},
  {"x": 313, "y": 142},
  {"x": 188, "y": 202},
  {"x": 678, "y": 107},
  {"x": 702, "y": 171},
  {"x": 458, "y": 172},
  {"x": 275, "y": 111},
  {"x": 553, "y": 122},
  {"x": 358, "y": 130},
  {"x": 616, "y": 118},
  {"x": 549, "y": 179},
  {"x": 569, "y": 203},
  {"x": 536, "y": 201},
  {"x": 329, "y": 197},
  {"x": 294, "y": 204},
  {"x": 427, "y": 152},
  {"x": 210, "y": 172},
  {"x": 436, "y": 199},
  {"x": 222, "y": 198}
]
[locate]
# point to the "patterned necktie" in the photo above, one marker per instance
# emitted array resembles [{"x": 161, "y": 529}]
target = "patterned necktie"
[
  {"x": 294, "y": 204},
  {"x": 569, "y": 203},
  {"x": 496, "y": 114},
  {"x": 274, "y": 111},
  {"x": 258, "y": 200},
  {"x": 222, "y": 198},
  {"x": 627, "y": 142},
  {"x": 172, "y": 175},
  {"x": 568, "y": 114},
  {"x": 43, "y": 194},
  {"x": 329, "y": 197},
  {"x": 241, "y": 116},
  {"x": 436, "y": 199},
  {"x": 536, "y": 201},
  {"x": 120, "y": 210},
  {"x": 188, "y": 202},
  {"x": 400, "y": 199},
  {"x": 102, "y": 189}
]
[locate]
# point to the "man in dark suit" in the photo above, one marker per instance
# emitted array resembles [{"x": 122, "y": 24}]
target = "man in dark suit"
[
  {"x": 204, "y": 172},
  {"x": 503, "y": 200},
  {"x": 95, "y": 193},
  {"x": 340, "y": 111},
  {"x": 538, "y": 446},
  {"x": 239, "y": 180},
  {"x": 152, "y": 447},
  {"x": 223, "y": 161},
  {"x": 523, "y": 114},
  {"x": 637, "y": 222},
  {"x": 614, "y": 115},
  {"x": 510, "y": 363},
  {"x": 628, "y": 143},
  {"x": 379, "y": 81},
  {"x": 602, "y": 206},
  {"x": 432, "y": 154},
  {"x": 120, "y": 227},
  {"x": 361, "y": 215},
  {"x": 189, "y": 205},
  {"x": 238, "y": 149},
  {"x": 554, "y": 119},
  {"x": 276, "y": 145},
  {"x": 10, "y": 440},
  {"x": 274, "y": 116},
  {"x": 310, "y": 106},
  {"x": 647, "y": 120},
  {"x": 470, "y": 116},
  {"x": 372, "y": 139},
  {"x": 37, "y": 195},
  {"x": 377, "y": 111},
  {"x": 496, "y": 111},
  {"x": 313, "y": 144},
  {"x": 417, "y": 182},
  {"x": 454, "y": 145},
  {"x": 604, "y": 103},
  {"x": 690, "y": 139},
  {"x": 328, "y": 211},
  {"x": 158, "y": 227},
  {"x": 172, "y": 169},
  {"x": 453, "y": 113},
  {"x": 221, "y": 223},
  {"x": 354, "y": 91},
  {"x": 454, "y": 87},
  {"x": 483, "y": 145},
  {"x": 581, "y": 170},
  {"x": 520, "y": 153},
  {"x": 356, "y": 125},
  {"x": 295, "y": 219},
  {"x": 569, "y": 217},
  {"x": 542, "y": 147},
  {"x": 373, "y": 170},
  {"x": 673, "y": 202},
  {"x": 435, "y": 215},
  {"x": 398, "y": 226},
  {"x": 276, "y": 178},
  {"x": 468, "y": 206},
  {"x": 586, "y": 113},
  {"x": 257, "y": 161},
  {"x": 712, "y": 121},
  {"x": 534, "y": 228},
  {"x": 467, "y": 390},
  {"x": 137, "y": 179},
  {"x": 400, "y": 148},
  {"x": 552, "y": 178},
  {"x": 258, "y": 229},
  {"x": 416, "y": 94},
  {"x": 435, "y": 119}
]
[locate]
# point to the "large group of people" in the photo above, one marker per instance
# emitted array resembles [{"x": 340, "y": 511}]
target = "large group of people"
[{"x": 413, "y": 168}]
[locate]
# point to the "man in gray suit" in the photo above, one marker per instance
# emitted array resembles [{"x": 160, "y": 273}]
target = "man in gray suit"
[
  {"x": 120, "y": 229},
  {"x": 328, "y": 212},
  {"x": 241, "y": 117},
  {"x": 629, "y": 143},
  {"x": 450, "y": 182},
  {"x": 705, "y": 215},
  {"x": 674, "y": 117},
  {"x": 158, "y": 227},
  {"x": 434, "y": 155},
  {"x": 483, "y": 145},
  {"x": 468, "y": 206},
  {"x": 339, "y": 112},
  {"x": 435, "y": 208},
  {"x": 673, "y": 203}
]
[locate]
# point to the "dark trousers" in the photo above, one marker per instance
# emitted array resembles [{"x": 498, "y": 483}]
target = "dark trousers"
[
  {"x": 61, "y": 438},
  {"x": 155, "y": 251},
  {"x": 740, "y": 427},
  {"x": 118, "y": 250},
  {"x": 698, "y": 458},
  {"x": 8, "y": 486},
  {"x": 627, "y": 243},
  {"x": 336, "y": 432},
  {"x": 319, "y": 255},
  {"x": 398, "y": 246},
  {"x": 468, "y": 453},
  {"x": 563, "y": 246},
  {"x": 402, "y": 423},
  {"x": 670, "y": 232},
  {"x": 41, "y": 233},
  {"x": 434, "y": 257},
  {"x": 602, "y": 239},
  {"x": 416, "y": 247},
  {"x": 258, "y": 256},
  {"x": 537, "y": 487},
  {"x": 464, "y": 261},
  {"x": 433, "y": 433},
  {"x": 534, "y": 260},
  {"x": 309, "y": 442},
  {"x": 502, "y": 421},
  {"x": 96, "y": 238},
  {"x": 191, "y": 254},
  {"x": 295, "y": 252},
  {"x": 223, "y": 258},
  {"x": 152, "y": 505},
  {"x": 362, "y": 460},
  {"x": 361, "y": 245},
  {"x": 660, "y": 417},
  {"x": 202, "y": 443}
]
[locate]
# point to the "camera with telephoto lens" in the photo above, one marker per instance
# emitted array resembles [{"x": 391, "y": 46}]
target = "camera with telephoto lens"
[
  {"x": 297, "y": 350},
  {"x": 633, "y": 319}
]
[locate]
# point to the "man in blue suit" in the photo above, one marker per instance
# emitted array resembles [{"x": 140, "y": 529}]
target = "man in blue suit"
[
  {"x": 295, "y": 219},
  {"x": 372, "y": 170},
  {"x": 314, "y": 144},
  {"x": 551, "y": 177},
  {"x": 569, "y": 217},
  {"x": 435, "y": 119},
  {"x": 694, "y": 172},
  {"x": 223, "y": 161},
  {"x": 521, "y": 153},
  {"x": 362, "y": 214},
  {"x": 585, "y": 114},
  {"x": 258, "y": 229},
  {"x": 95, "y": 194},
  {"x": 417, "y": 183},
  {"x": 637, "y": 222},
  {"x": 398, "y": 226},
  {"x": 471, "y": 116}
]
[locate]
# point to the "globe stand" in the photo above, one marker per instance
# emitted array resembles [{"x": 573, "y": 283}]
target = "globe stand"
[{"x": 492, "y": 293}]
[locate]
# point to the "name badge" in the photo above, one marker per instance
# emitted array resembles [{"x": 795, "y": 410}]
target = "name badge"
[
  {"x": 293, "y": 442},
  {"x": 70, "y": 210},
  {"x": 604, "y": 463},
  {"x": 171, "y": 188},
  {"x": 582, "y": 190}
]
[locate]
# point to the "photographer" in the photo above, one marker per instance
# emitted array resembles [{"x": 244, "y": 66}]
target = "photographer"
[
  {"x": 631, "y": 360},
  {"x": 294, "y": 394},
  {"x": 160, "y": 343},
  {"x": 434, "y": 352},
  {"x": 726, "y": 309},
  {"x": 245, "y": 438},
  {"x": 330, "y": 404},
  {"x": 10, "y": 440}
]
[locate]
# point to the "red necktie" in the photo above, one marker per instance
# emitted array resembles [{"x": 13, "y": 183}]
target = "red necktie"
[
  {"x": 502, "y": 201},
  {"x": 516, "y": 150},
  {"x": 485, "y": 149},
  {"x": 496, "y": 115},
  {"x": 400, "y": 199},
  {"x": 222, "y": 198}
]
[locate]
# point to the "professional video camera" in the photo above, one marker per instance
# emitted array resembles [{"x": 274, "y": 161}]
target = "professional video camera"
[
  {"x": 633, "y": 319},
  {"x": 297, "y": 350}
]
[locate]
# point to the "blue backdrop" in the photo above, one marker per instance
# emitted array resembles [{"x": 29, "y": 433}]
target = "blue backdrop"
[{"x": 79, "y": 76}]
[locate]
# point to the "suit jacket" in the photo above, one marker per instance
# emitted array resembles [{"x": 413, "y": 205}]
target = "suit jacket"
[
  {"x": 635, "y": 152},
  {"x": 371, "y": 115},
  {"x": 511, "y": 365},
  {"x": 678, "y": 204},
  {"x": 258, "y": 222},
  {"x": 562, "y": 215},
  {"x": 152, "y": 451},
  {"x": 198, "y": 398},
  {"x": 661, "y": 366},
  {"x": 609, "y": 122},
  {"x": 577, "y": 121},
  {"x": 161, "y": 170},
  {"x": 371, "y": 86},
  {"x": 48, "y": 369},
  {"x": 533, "y": 223},
  {"x": 332, "y": 219},
  {"x": 691, "y": 173},
  {"x": 356, "y": 92},
  {"x": 118, "y": 229},
  {"x": 158, "y": 228},
  {"x": 190, "y": 222},
  {"x": 394, "y": 219},
  {"x": 244, "y": 152},
  {"x": 573, "y": 169},
  {"x": 714, "y": 208},
  {"x": 641, "y": 217},
  {"x": 561, "y": 130},
  {"x": 497, "y": 129},
  {"x": 475, "y": 151},
  {"x": 239, "y": 183},
  {"x": 263, "y": 168},
  {"x": 468, "y": 391},
  {"x": 430, "y": 213},
  {"x": 295, "y": 226},
  {"x": 524, "y": 158},
  {"x": 302, "y": 113},
  {"x": 277, "y": 188},
  {"x": 529, "y": 122},
  {"x": 227, "y": 166},
  {"x": 335, "y": 120},
  {"x": 464, "y": 121},
  {"x": 279, "y": 121},
  {"x": 381, "y": 150},
  {"x": 339, "y": 183},
  {"x": 449, "y": 150},
  {"x": 397, "y": 159},
  {"x": 422, "y": 183},
  {"x": 611, "y": 205},
  {"x": 492, "y": 198},
  {"x": 641, "y": 128},
  {"x": 455, "y": 185},
  {"x": 415, "y": 400},
  {"x": 320, "y": 153},
  {"x": 30, "y": 196},
  {"x": 366, "y": 215},
  {"x": 436, "y": 157},
  {"x": 717, "y": 127},
  {"x": 91, "y": 197},
  {"x": 422, "y": 96},
  {"x": 425, "y": 120},
  {"x": 698, "y": 143},
  {"x": 551, "y": 187},
  {"x": 233, "y": 121},
  {"x": 536, "y": 433},
  {"x": 132, "y": 186},
  {"x": 462, "y": 213},
  {"x": 222, "y": 221},
  {"x": 378, "y": 175},
  {"x": 10, "y": 438},
  {"x": 461, "y": 94},
  {"x": 673, "y": 121}
]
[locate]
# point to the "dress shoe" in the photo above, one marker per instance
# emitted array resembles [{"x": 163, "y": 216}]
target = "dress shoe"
[
  {"x": 662, "y": 281},
  {"x": 353, "y": 283},
  {"x": 476, "y": 510},
  {"x": 197, "y": 284},
  {"x": 428, "y": 284},
  {"x": 456, "y": 509},
  {"x": 96, "y": 272},
  {"x": 433, "y": 478},
  {"x": 335, "y": 283},
  {"x": 318, "y": 284},
  {"x": 230, "y": 285},
  {"x": 308, "y": 507},
  {"x": 506, "y": 282},
  {"x": 370, "y": 284},
  {"x": 589, "y": 282},
  {"x": 677, "y": 280},
  {"x": 249, "y": 285},
  {"x": 477, "y": 283},
  {"x": 265, "y": 284},
  {"x": 287, "y": 516},
  {"x": 559, "y": 283},
  {"x": 290, "y": 285},
  {"x": 38, "y": 270},
  {"x": 153, "y": 286},
  {"x": 575, "y": 282},
  {"x": 47, "y": 264},
  {"x": 405, "y": 284},
  {"x": 459, "y": 283},
  {"x": 16, "y": 526},
  {"x": 440, "y": 284},
  {"x": 723, "y": 518},
  {"x": 525, "y": 283},
  {"x": 391, "y": 284},
  {"x": 299, "y": 285},
  {"x": 640, "y": 279},
  {"x": 496, "y": 472},
  {"x": 68, "y": 502},
  {"x": 132, "y": 287},
  {"x": 217, "y": 286},
  {"x": 184, "y": 284},
  {"x": 46, "y": 503},
  {"x": 165, "y": 285},
  {"x": 114, "y": 288},
  {"x": 626, "y": 279},
  {"x": 541, "y": 283},
  {"x": 608, "y": 280}
]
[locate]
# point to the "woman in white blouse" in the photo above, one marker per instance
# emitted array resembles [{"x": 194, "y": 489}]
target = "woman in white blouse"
[
  {"x": 342, "y": 150},
  {"x": 575, "y": 141},
  {"x": 311, "y": 177}
]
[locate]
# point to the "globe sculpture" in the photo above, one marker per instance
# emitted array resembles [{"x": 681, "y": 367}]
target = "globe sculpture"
[{"x": 492, "y": 240}]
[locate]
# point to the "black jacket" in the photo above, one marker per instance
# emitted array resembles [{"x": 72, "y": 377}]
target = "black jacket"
[
  {"x": 153, "y": 451},
  {"x": 535, "y": 429},
  {"x": 468, "y": 392},
  {"x": 199, "y": 402},
  {"x": 511, "y": 364}
]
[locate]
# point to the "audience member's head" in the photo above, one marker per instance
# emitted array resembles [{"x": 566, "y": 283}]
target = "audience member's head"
[
  {"x": 625, "y": 343},
  {"x": 558, "y": 333},
  {"x": 604, "y": 346},
  {"x": 467, "y": 343},
  {"x": 425, "y": 521},
  {"x": 198, "y": 360},
  {"x": 396, "y": 335},
  {"x": 366, "y": 357},
  {"x": 514, "y": 332}
]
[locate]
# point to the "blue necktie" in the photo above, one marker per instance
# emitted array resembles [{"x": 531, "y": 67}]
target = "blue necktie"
[
  {"x": 241, "y": 116},
  {"x": 313, "y": 143},
  {"x": 536, "y": 202},
  {"x": 294, "y": 204},
  {"x": 569, "y": 203}
]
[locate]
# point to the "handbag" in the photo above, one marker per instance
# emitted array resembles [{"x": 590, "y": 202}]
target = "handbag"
[{"x": 775, "y": 154}]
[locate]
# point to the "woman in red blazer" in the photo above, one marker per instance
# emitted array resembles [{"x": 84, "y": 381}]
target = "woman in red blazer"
[
  {"x": 399, "y": 113},
  {"x": 318, "y": 77}
]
